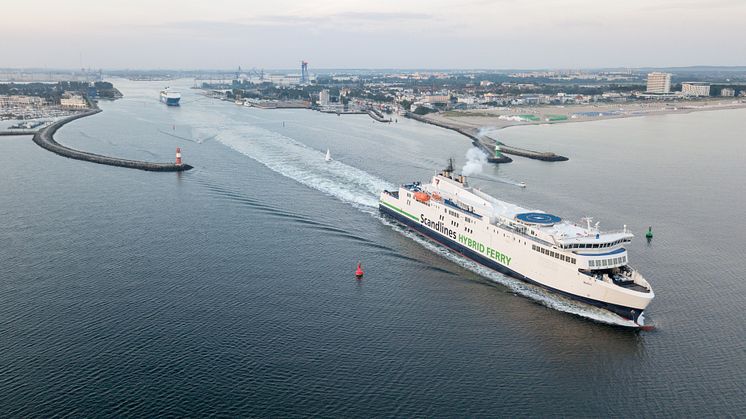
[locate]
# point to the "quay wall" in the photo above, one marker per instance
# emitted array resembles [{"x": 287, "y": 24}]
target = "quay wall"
[{"x": 10, "y": 133}]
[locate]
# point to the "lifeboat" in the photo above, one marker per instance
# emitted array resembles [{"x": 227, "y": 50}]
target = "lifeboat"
[
  {"x": 436, "y": 196},
  {"x": 421, "y": 196}
]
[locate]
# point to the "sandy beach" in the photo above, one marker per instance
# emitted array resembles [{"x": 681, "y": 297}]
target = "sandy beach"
[{"x": 473, "y": 120}]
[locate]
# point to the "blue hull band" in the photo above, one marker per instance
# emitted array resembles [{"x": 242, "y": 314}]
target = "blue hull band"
[
  {"x": 171, "y": 102},
  {"x": 626, "y": 312}
]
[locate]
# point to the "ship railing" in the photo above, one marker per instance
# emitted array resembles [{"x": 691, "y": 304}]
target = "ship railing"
[
  {"x": 523, "y": 234},
  {"x": 453, "y": 205},
  {"x": 395, "y": 194}
]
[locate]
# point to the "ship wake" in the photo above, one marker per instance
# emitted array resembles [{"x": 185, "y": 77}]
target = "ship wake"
[{"x": 306, "y": 165}]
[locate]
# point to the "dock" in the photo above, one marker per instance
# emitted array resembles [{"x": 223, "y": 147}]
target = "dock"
[
  {"x": 487, "y": 144},
  {"x": 44, "y": 138}
]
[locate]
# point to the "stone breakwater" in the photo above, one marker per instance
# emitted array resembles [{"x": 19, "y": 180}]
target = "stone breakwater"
[
  {"x": 44, "y": 138},
  {"x": 488, "y": 144}
]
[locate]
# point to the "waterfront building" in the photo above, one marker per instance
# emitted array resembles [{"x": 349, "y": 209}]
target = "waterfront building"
[
  {"x": 73, "y": 101},
  {"x": 659, "y": 82},
  {"x": 728, "y": 92},
  {"x": 437, "y": 99},
  {"x": 20, "y": 101},
  {"x": 324, "y": 97},
  {"x": 695, "y": 89}
]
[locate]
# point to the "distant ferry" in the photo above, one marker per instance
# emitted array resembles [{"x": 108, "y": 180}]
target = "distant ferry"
[
  {"x": 582, "y": 263},
  {"x": 170, "y": 97}
]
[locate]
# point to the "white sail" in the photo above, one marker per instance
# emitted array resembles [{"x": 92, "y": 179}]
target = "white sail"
[{"x": 328, "y": 155}]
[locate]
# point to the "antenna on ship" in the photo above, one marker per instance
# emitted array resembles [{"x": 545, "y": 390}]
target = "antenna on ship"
[{"x": 588, "y": 220}]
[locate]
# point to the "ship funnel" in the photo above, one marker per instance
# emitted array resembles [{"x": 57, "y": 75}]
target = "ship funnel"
[{"x": 448, "y": 171}]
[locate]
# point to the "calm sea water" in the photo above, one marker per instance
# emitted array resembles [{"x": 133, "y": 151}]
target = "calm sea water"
[{"x": 228, "y": 290}]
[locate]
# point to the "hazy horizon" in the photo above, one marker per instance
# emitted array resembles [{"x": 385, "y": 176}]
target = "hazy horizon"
[{"x": 477, "y": 34}]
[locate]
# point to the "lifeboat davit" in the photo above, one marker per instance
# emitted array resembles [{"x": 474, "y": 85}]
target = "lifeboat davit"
[{"x": 421, "y": 196}]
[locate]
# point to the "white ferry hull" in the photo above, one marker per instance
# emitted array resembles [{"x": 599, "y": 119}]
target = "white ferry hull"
[{"x": 513, "y": 254}]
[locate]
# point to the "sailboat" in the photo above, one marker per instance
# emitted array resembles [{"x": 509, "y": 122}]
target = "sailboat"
[{"x": 328, "y": 157}]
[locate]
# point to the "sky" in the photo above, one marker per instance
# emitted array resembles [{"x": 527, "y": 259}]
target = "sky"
[{"x": 415, "y": 34}]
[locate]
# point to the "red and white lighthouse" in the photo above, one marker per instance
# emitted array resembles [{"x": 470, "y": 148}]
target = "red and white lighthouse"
[{"x": 178, "y": 156}]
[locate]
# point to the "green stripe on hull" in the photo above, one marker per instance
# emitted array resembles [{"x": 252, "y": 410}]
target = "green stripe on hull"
[{"x": 400, "y": 211}]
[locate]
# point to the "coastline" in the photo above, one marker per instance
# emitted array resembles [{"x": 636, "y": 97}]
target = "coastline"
[
  {"x": 500, "y": 118},
  {"x": 473, "y": 123}
]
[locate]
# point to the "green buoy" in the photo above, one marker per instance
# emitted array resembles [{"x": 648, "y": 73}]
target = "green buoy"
[
  {"x": 649, "y": 234},
  {"x": 498, "y": 154}
]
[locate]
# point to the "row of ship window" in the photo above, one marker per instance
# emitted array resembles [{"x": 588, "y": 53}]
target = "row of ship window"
[
  {"x": 607, "y": 262},
  {"x": 555, "y": 255},
  {"x": 592, "y": 245}
]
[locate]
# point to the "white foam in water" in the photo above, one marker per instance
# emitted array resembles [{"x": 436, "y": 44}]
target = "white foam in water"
[
  {"x": 535, "y": 293},
  {"x": 305, "y": 165}
]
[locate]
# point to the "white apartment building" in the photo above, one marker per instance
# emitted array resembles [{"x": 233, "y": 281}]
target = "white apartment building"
[
  {"x": 324, "y": 97},
  {"x": 695, "y": 89},
  {"x": 73, "y": 101},
  {"x": 659, "y": 82},
  {"x": 728, "y": 92}
]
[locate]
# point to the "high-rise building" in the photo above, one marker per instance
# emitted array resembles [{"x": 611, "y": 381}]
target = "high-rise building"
[
  {"x": 304, "y": 72},
  {"x": 324, "y": 97},
  {"x": 659, "y": 82},
  {"x": 695, "y": 89}
]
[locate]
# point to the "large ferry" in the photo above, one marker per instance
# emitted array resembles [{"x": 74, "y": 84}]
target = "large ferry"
[
  {"x": 580, "y": 262},
  {"x": 170, "y": 97}
]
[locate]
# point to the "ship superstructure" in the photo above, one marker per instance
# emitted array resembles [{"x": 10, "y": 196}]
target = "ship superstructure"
[
  {"x": 578, "y": 261},
  {"x": 170, "y": 97}
]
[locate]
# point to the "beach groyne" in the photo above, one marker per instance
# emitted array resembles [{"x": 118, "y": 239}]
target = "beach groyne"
[
  {"x": 536, "y": 155},
  {"x": 475, "y": 140},
  {"x": 488, "y": 144},
  {"x": 377, "y": 115},
  {"x": 44, "y": 138}
]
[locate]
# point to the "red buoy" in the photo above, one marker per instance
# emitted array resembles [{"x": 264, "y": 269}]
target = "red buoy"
[
  {"x": 178, "y": 156},
  {"x": 359, "y": 271}
]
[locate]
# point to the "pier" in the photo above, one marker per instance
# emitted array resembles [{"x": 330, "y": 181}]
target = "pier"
[
  {"x": 44, "y": 138},
  {"x": 377, "y": 115},
  {"x": 16, "y": 132},
  {"x": 475, "y": 140},
  {"x": 487, "y": 144}
]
